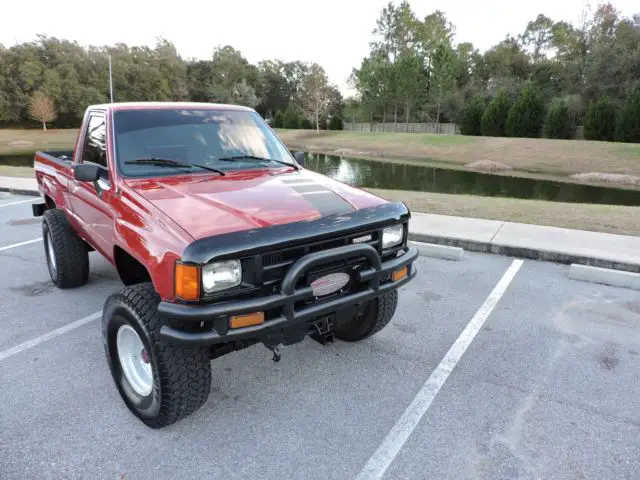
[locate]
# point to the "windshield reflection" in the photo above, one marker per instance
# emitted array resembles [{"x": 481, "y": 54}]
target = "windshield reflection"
[{"x": 197, "y": 136}]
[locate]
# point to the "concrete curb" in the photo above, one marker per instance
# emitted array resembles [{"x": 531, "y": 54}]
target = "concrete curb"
[
  {"x": 18, "y": 191},
  {"x": 615, "y": 278},
  {"x": 523, "y": 252},
  {"x": 439, "y": 251}
]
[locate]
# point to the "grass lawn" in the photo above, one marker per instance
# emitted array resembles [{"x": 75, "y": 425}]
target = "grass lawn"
[
  {"x": 540, "y": 158},
  {"x": 598, "y": 218},
  {"x": 16, "y": 142},
  {"x": 11, "y": 171},
  {"x": 527, "y": 156}
]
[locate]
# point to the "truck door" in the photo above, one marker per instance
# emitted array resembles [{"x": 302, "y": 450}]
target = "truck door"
[{"x": 91, "y": 205}]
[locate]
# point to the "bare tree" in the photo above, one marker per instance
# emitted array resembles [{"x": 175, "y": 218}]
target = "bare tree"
[
  {"x": 315, "y": 94},
  {"x": 41, "y": 108}
]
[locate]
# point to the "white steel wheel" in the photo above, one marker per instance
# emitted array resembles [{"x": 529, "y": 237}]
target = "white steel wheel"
[
  {"x": 51, "y": 256},
  {"x": 134, "y": 360}
]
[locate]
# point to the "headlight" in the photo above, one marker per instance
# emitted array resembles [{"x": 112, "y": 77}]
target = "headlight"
[
  {"x": 392, "y": 236},
  {"x": 221, "y": 275}
]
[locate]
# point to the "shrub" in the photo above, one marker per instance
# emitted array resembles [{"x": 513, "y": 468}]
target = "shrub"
[
  {"x": 291, "y": 118},
  {"x": 472, "y": 117},
  {"x": 278, "y": 120},
  {"x": 306, "y": 124},
  {"x": 628, "y": 122},
  {"x": 558, "y": 123},
  {"x": 600, "y": 122},
  {"x": 336, "y": 123},
  {"x": 495, "y": 116},
  {"x": 526, "y": 114}
]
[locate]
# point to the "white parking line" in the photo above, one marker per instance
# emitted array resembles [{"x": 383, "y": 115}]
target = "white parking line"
[
  {"x": 7, "y": 247},
  {"x": 377, "y": 465},
  {"x": 18, "y": 203},
  {"x": 48, "y": 336}
]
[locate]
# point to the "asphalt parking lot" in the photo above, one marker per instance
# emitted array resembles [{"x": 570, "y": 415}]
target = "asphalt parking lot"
[{"x": 491, "y": 368}]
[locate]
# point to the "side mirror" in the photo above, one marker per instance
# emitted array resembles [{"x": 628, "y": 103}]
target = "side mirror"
[
  {"x": 86, "y": 172},
  {"x": 299, "y": 156}
]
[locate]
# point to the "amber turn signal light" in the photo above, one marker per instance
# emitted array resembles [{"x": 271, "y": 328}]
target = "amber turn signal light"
[
  {"x": 400, "y": 274},
  {"x": 187, "y": 282},
  {"x": 248, "y": 320}
]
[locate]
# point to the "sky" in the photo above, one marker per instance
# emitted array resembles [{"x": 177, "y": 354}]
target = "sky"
[{"x": 333, "y": 33}]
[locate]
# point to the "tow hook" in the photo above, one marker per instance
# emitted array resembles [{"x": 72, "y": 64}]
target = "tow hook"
[{"x": 276, "y": 353}]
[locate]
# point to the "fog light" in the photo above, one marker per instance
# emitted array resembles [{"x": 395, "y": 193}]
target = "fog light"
[
  {"x": 248, "y": 320},
  {"x": 400, "y": 274}
]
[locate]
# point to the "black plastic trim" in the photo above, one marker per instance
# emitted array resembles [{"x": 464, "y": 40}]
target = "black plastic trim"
[
  {"x": 288, "y": 296},
  {"x": 265, "y": 239}
]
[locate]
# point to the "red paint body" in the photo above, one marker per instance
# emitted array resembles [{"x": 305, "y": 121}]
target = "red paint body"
[{"x": 154, "y": 219}]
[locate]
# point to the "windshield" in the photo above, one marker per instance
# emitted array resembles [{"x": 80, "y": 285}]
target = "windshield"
[{"x": 218, "y": 139}]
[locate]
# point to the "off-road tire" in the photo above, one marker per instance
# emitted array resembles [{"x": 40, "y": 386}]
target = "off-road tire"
[
  {"x": 71, "y": 267},
  {"x": 377, "y": 314},
  {"x": 181, "y": 374}
]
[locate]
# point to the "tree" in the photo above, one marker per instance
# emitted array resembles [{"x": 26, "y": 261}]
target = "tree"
[
  {"x": 278, "y": 120},
  {"x": 600, "y": 122},
  {"x": 273, "y": 88},
  {"x": 628, "y": 123},
  {"x": 314, "y": 94},
  {"x": 472, "y": 117},
  {"x": 442, "y": 75},
  {"x": 526, "y": 114},
  {"x": 558, "y": 122},
  {"x": 291, "y": 118},
  {"x": 373, "y": 80},
  {"x": 41, "y": 108},
  {"x": 495, "y": 115},
  {"x": 538, "y": 36},
  {"x": 336, "y": 123}
]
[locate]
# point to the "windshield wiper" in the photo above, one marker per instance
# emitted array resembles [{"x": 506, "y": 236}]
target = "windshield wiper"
[
  {"x": 254, "y": 157},
  {"x": 163, "y": 162}
]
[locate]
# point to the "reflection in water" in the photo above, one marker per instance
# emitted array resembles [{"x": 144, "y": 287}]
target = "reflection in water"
[{"x": 395, "y": 176}]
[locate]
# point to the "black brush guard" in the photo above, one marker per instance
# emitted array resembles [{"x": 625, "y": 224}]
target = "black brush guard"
[{"x": 372, "y": 280}]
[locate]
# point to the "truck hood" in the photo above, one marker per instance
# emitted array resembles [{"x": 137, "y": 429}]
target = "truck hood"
[{"x": 205, "y": 205}]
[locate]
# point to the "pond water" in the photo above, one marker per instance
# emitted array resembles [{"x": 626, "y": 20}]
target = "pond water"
[{"x": 395, "y": 176}]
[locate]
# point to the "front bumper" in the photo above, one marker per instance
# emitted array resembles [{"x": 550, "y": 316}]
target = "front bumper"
[{"x": 369, "y": 282}]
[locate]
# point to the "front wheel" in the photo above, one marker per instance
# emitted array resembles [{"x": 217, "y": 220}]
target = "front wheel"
[
  {"x": 159, "y": 382},
  {"x": 376, "y": 315}
]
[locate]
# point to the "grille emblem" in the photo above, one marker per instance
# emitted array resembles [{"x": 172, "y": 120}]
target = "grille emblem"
[
  {"x": 363, "y": 239},
  {"x": 329, "y": 283}
]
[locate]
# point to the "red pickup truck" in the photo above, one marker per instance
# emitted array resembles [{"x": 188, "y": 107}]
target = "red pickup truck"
[{"x": 222, "y": 239}]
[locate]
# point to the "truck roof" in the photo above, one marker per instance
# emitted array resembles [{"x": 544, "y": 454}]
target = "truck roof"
[{"x": 161, "y": 105}]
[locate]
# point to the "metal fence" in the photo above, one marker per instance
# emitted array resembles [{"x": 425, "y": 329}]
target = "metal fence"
[
  {"x": 428, "y": 128},
  {"x": 432, "y": 128}
]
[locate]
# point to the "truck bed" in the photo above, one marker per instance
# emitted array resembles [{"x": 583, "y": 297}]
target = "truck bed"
[
  {"x": 56, "y": 155},
  {"x": 52, "y": 171}
]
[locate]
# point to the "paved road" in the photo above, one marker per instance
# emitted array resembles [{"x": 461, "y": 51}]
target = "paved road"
[{"x": 548, "y": 388}]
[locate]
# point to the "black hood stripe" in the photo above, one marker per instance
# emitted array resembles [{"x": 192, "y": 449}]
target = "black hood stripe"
[
  {"x": 310, "y": 187},
  {"x": 291, "y": 181},
  {"x": 324, "y": 200}
]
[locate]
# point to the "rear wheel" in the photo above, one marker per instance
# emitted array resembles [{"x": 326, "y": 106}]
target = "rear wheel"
[
  {"x": 66, "y": 253},
  {"x": 376, "y": 315},
  {"x": 160, "y": 383}
]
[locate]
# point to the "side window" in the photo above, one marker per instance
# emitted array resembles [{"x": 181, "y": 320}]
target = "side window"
[{"x": 95, "y": 142}]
